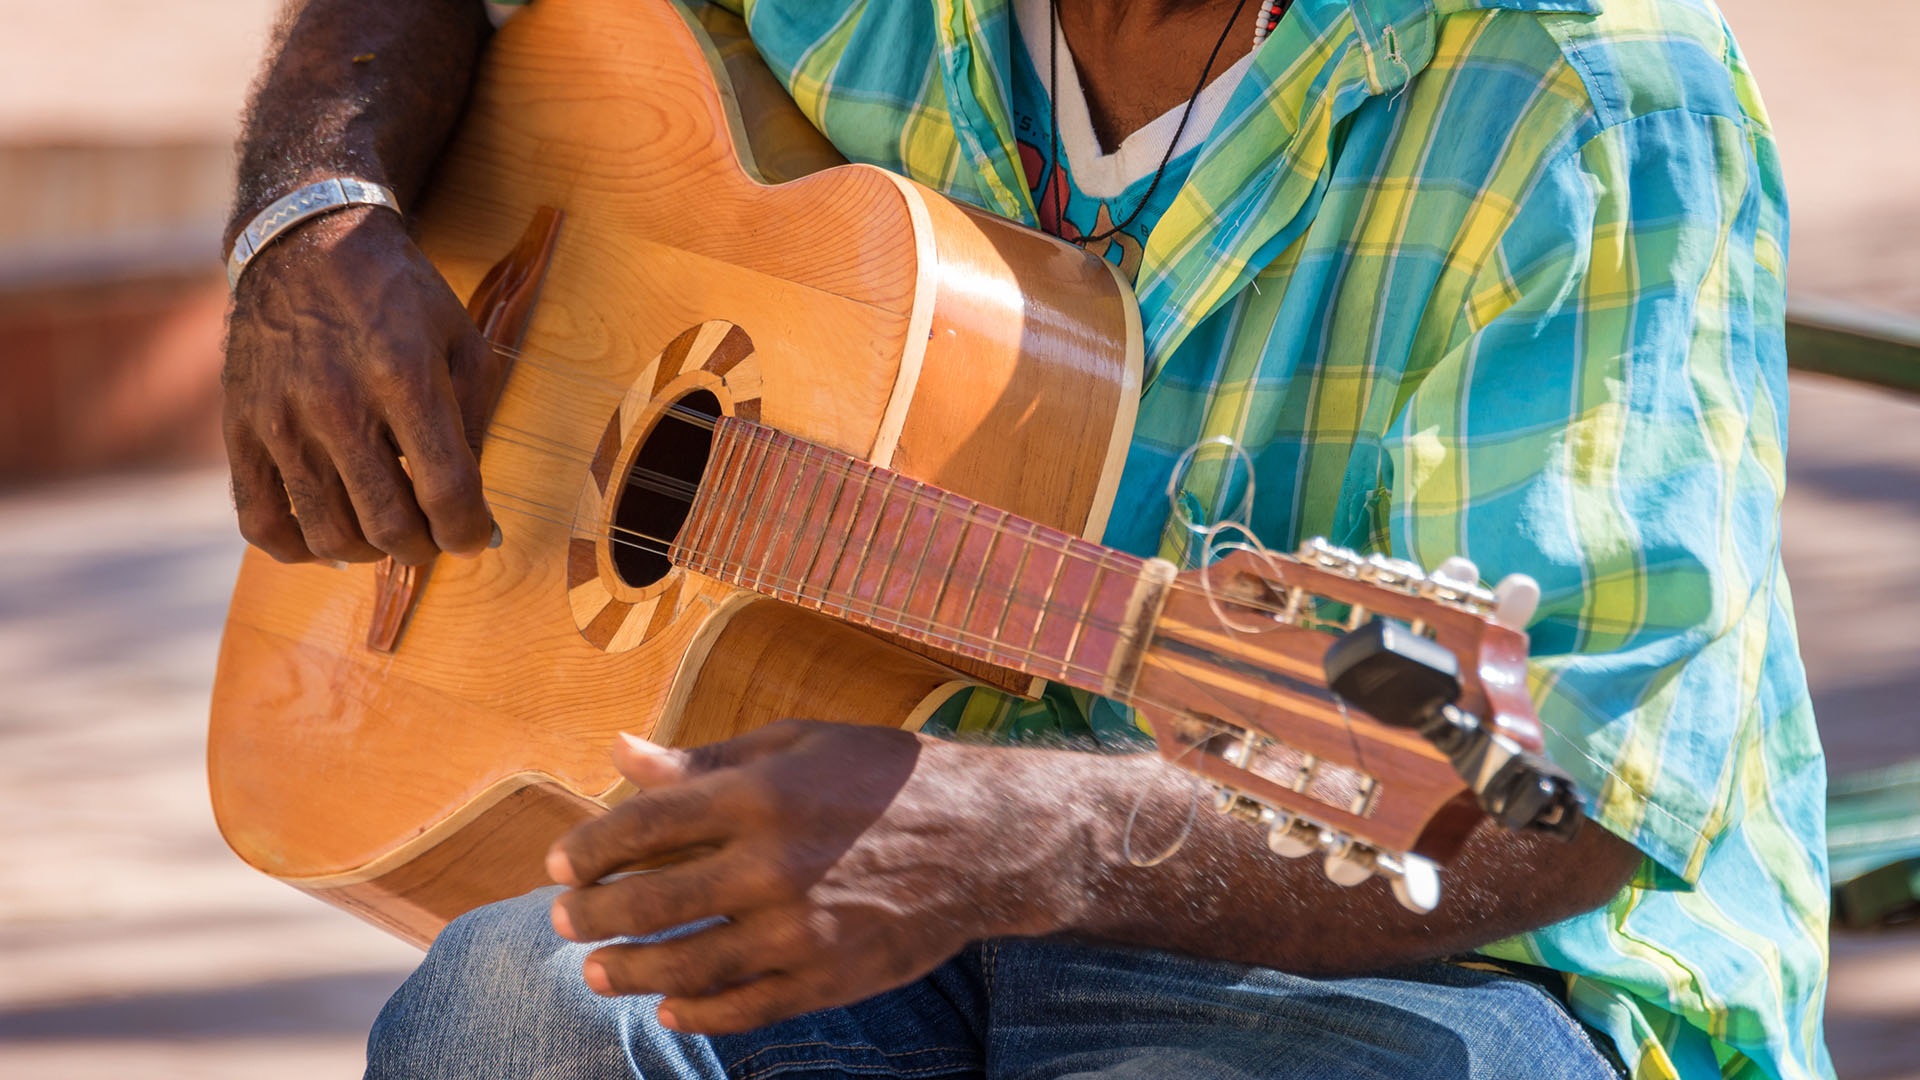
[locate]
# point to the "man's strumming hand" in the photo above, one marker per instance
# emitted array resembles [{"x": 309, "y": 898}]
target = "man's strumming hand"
[
  {"x": 345, "y": 351},
  {"x": 845, "y": 860}
]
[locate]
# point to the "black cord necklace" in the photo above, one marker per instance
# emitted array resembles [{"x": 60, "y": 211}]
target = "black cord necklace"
[{"x": 1053, "y": 120}]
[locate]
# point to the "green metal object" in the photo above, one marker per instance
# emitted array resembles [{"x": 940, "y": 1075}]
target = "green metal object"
[
  {"x": 1859, "y": 344},
  {"x": 1873, "y": 845},
  {"x": 1873, "y": 818}
]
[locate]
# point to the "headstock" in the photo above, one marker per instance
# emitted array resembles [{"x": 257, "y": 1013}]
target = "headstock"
[{"x": 1432, "y": 726}]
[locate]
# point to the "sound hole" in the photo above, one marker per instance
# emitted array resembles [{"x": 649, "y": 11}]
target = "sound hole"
[{"x": 659, "y": 488}]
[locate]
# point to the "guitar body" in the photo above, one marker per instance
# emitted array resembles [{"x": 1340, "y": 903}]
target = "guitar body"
[{"x": 850, "y": 308}]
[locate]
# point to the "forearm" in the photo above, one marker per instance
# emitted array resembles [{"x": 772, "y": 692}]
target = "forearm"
[
  {"x": 366, "y": 88},
  {"x": 1224, "y": 895}
]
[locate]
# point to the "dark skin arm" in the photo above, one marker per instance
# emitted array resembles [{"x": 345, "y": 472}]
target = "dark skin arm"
[
  {"x": 838, "y": 891},
  {"x": 345, "y": 349}
]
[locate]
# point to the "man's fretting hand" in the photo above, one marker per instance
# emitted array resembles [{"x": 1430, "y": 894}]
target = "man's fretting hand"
[
  {"x": 849, "y": 860},
  {"x": 345, "y": 351},
  {"x": 845, "y": 860}
]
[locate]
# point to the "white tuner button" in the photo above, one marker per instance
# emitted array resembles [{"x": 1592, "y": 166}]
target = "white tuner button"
[
  {"x": 1459, "y": 570},
  {"x": 1416, "y": 882},
  {"x": 1349, "y": 863},
  {"x": 1515, "y": 600},
  {"x": 1290, "y": 838}
]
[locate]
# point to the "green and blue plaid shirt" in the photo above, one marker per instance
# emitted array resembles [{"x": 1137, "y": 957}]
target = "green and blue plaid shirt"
[{"x": 1501, "y": 278}]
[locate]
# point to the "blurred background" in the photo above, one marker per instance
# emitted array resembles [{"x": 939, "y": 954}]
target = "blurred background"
[{"x": 133, "y": 943}]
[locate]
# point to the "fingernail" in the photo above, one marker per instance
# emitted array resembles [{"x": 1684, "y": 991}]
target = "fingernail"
[
  {"x": 335, "y": 564},
  {"x": 562, "y": 922},
  {"x": 643, "y": 746},
  {"x": 498, "y": 539},
  {"x": 559, "y": 867},
  {"x": 667, "y": 1020},
  {"x": 596, "y": 976}
]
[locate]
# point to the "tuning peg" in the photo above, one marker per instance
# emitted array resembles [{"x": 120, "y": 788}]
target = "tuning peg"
[
  {"x": 1349, "y": 862},
  {"x": 1415, "y": 880},
  {"x": 1515, "y": 600},
  {"x": 1231, "y": 803},
  {"x": 1288, "y": 836},
  {"x": 1459, "y": 569}
]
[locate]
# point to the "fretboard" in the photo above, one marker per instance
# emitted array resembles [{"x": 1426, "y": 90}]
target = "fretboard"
[{"x": 823, "y": 530}]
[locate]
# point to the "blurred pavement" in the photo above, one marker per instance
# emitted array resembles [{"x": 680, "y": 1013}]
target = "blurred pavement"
[{"x": 134, "y": 942}]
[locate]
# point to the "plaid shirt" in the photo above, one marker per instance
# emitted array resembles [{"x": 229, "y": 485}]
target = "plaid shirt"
[{"x": 1501, "y": 278}]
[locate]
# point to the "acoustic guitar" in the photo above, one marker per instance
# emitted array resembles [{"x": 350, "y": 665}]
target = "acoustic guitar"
[{"x": 777, "y": 436}]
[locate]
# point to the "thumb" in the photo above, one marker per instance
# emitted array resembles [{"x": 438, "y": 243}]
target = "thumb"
[{"x": 648, "y": 765}]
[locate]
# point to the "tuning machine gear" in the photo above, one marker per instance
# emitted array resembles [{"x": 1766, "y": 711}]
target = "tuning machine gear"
[
  {"x": 1291, "y": 837},
  {"x": 1403, "y": 678},
  {"x": 1349, "y": 862}
]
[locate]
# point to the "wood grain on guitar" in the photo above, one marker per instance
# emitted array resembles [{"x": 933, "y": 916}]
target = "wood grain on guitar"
[
  {"x": 834, "y": 447},
  {"x": 501, "y": 307}
]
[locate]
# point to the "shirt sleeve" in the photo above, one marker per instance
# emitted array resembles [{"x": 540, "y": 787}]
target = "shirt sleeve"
[{"x": 1612, "y": 422}]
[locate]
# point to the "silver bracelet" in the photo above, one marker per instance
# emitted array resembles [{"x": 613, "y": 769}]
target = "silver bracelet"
[{"x": 289, "y": 210}]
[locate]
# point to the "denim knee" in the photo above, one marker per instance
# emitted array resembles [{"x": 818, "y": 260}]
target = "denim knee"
[
  {"x": 500, "y": 994},
  {"x": 497, "y": 981}
]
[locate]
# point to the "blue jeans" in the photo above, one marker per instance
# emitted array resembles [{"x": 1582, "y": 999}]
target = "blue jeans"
[{"x": 500, "y": 995}]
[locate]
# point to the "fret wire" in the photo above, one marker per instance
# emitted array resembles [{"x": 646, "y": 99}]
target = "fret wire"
[
  {"x": 1046, "y": 601},
  {"x": 1086, "y": 610},
  {"x": 913, "y": 582},
  {"x": 692, "y": 561},
  {"x": 738, "y": 563},
  {"x": 820, "y": 544},
  {"x": 734, "y": 460},
  {"x": 760, "y": 522},
  {"x": 793, "y": 547},
  {"x": 866, "y": 549},
  {"x": 974, "y": 510},
  {"x": 891, "y": 566},
  {"x": 955, "y": 639},
  {"x": 1013, "y": 588},
  {"x": 721, "y": 465},
  {"x": 730, "y": 451},
  {"x": 730, "y": 460},
  {"x": 846, "y": 538},
  {"x": 986, "y": 563},
  {"x": 959, "y": 545}
]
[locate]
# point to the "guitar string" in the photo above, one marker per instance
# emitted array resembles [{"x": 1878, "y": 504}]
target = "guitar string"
[
  {"x": 680, "y": 490},
  {"x": 902, "y": 617},
  {"x": 959, "y": 639},
  {"x": 708, "y": 422},
  {"x": 916, "y": 497},
  {"x": 687, "y": 493},
  {"x": 848, "y": 468}
]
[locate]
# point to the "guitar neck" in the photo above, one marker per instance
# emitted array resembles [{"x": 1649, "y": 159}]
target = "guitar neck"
[{"x": 826, "y": 531}]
